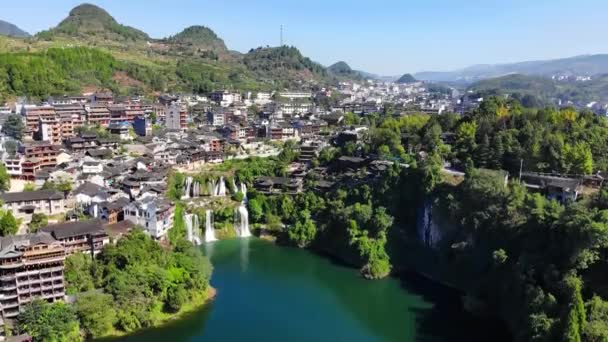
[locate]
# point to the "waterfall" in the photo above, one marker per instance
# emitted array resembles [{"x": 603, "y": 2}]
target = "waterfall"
[
  {"x": 234, "y": 187},
  {"x": 192, "y": 228},
  {"x": 209, "y": 230},
  {"x": 211, "y": 186},
  {"x": 187, "y": 189},
  {"x": 188, "y": 221},
  {"x": 428, "y": 230},
  {"x": 244, "y": 191},
  {"x": 196, "y": 228},
  {"x": 196, "y": 189},
  {"x": 221, "y": 187},
  {"x": 243, "y": 222}
]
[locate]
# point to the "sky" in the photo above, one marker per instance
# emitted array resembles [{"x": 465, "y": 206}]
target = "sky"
[{"x": 386, "y": 37}]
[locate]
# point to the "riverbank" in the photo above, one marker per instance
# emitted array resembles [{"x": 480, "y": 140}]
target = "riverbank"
[{"x": 162, "y": 319}]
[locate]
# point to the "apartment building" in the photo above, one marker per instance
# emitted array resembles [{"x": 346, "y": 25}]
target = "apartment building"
[
  {"x": 31, "y": 266},
  {"x": 44, "y": 151},
  {"x": 33, "y": 114},
  {"x": 98, "y": 114}
]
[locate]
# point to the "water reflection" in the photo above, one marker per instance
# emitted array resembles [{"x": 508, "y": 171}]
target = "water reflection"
[{"x": 244, "y": 244}]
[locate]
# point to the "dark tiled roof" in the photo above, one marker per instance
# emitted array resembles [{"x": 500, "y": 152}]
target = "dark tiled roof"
[
  {"x": 76, "y": 228},
  {"x": 10, "y": 197}
]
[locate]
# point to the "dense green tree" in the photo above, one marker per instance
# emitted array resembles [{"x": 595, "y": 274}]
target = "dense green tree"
[
  {"x": 38, "y": 221},
  {"x": 49, "y": 322},
  {"x": 14, "y": 126},
  {"x": 304, "y": 231},
  {"x": 8, "y": 224},
  {"x": 96, "y": 313},
  {"x": 5, "y": 179}
]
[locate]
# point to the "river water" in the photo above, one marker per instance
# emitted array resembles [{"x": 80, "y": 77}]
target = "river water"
[{"x": 272, "y": 293}]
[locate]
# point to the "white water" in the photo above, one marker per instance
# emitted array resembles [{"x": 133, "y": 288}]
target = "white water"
[
  {"x": 192, "y": 228},
  {"x": 244, "y": 191},
  {"x": 187, "y": 190},
  {"x": 243, "y": 222},
  {"x": 222, "y": 188},
  {"x": 428, "y": 230},
  {"x": 209, "y": 230}
]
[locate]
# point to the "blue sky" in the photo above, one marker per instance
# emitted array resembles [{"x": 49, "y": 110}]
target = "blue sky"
[{"x": 387, "y": 37}]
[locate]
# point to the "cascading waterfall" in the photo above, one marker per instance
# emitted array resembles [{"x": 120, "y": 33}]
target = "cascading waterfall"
[
  {"x": 192, "y": 228},
  {"x": 209, "y": 230},
  {"x": 196, "y": 230},
  {"x": 211, "y": 186},
  {"x": 187, "y": 189},
  {"x": 243, "y": 222},
  {"x": 222, "y": 187},
  {"x": 244, "y": 191},
  {"x": 188, "y": 221}
]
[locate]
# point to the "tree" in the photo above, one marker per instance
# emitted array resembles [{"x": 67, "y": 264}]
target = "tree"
[
  {"x": 96, "y": 313},
  {"x": 29, "y": 186},
  {"x": 14, "y": 126},
  {"x": 38, "y": 221},
  {"x": 304, "y": 231},
  {"x": 8, "y": 224},
  {"x": 176, "y": 297},
  {"x": 78, "y": 272},
  {"x": 5, "y": 178},
  {"x": 49, "y": 322}
]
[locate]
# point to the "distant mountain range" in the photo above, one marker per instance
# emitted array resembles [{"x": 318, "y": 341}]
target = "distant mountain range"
[
  {"x": 11, "y": 30},
  {"x": 586, "y": 65}
]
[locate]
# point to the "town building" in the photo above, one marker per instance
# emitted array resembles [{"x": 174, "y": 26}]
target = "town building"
[
  {"x": 31, "y": 266},
  {"x": 79, "y": 236},
  {"x": 176, "y": 117},
  {"x": 155, "y": 215},
  {"x": 24, "y": 204}
]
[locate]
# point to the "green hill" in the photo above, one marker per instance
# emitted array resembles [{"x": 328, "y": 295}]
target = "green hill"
[
  {"x": 407, "y": 78},
  {"x": 193, "y": 60},
  {"x": 284, "y": 64},
  {"x": 88, "y": 21}
]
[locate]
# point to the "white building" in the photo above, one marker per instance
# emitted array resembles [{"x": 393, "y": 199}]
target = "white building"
[{"x": 155, "y": 215}]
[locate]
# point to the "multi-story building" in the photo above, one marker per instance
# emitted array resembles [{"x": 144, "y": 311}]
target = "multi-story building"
[
  {"x": 13, "y": 166},
  {"x": 45, "y": 152},
  {"x": 31, "y": 266},
  {"x": 79, "y": 236},
  {"x": 176, "y": 117},
  {"x": 33, "y": 114},
  {"x": 154, "y": 214},
  {"x": 217, "y": 118},
  {"x": 225, "y": 98},
  {"x": 98, "y": 115},
  {"x": 24, "y": 204}
]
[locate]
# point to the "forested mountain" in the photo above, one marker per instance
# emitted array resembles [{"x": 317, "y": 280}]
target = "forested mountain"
[
  {"x": 193, "y": 60},
  {"x": 88, "y": 21},
  {"x": 11, "y": 30},
  {"x": 547, "y": 89},
  {"x": 586, "y": 65}
]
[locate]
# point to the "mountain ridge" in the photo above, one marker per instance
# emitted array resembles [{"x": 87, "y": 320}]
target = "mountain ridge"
[{"x": 12, "y": 30}]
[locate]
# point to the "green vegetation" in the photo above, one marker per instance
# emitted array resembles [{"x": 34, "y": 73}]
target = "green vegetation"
[
  {"x": 38, "y": 221},
  {"x": 135, "y": 284},
  {"x": 9, "y": 225},
  {"x": 49, "y": 322},
  {"x": 5, "y": 179}
]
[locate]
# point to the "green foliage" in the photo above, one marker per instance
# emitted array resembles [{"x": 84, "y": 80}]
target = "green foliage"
[
  {"x": 304, "y": 231},
  {"x": 5, "y": 179},
  {"x": 96, "y": 313},
  {"x": 38, "y": 221},
  {"x": 596, "y": 329},
  {"x": 79, "y": 273},
  {"x": 13, "y": 126},
  {"x": 29, "y": 186},
  {"x": 49, "y": 322},
  {"x": 8, "y": 224}
]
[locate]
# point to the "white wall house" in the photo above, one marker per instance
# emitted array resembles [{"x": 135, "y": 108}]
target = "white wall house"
[{"x": 155, "y": 215}]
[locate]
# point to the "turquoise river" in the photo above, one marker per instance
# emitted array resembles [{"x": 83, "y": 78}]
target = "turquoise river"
[{"x": 273, "y": 293}]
